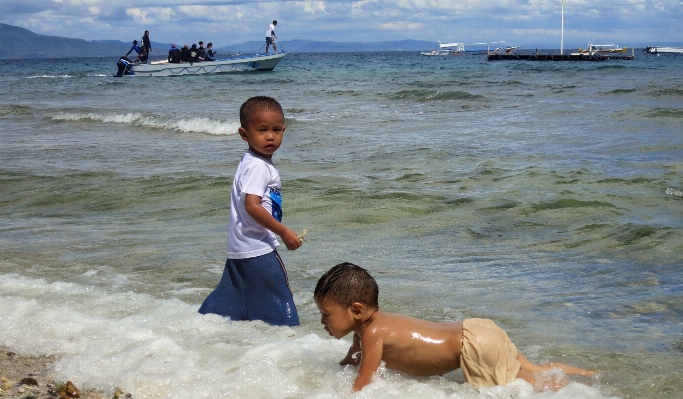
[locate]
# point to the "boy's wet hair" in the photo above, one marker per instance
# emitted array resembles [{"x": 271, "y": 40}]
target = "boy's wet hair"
[
  {"x": 256, "y": 104},
  {"x": 347, "y": 283}
]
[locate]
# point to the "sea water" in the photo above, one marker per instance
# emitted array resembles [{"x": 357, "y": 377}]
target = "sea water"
[{"x": 543, "y": 195}]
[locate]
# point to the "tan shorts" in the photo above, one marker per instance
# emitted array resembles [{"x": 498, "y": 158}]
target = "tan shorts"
[{"x": 488, "y": 356}]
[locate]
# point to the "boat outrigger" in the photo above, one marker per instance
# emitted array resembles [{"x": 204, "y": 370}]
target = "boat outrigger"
[
  {"x": 237, "y": 63},
  {"x": 663, "y": 49}
]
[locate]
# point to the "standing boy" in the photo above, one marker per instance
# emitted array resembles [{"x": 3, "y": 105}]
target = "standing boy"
[
  {"x": 146, "y": 44},
  {"x": 254, "y": 285},
  {"x": 270, "y": 36},
  {"x": 347, "y": 299}
]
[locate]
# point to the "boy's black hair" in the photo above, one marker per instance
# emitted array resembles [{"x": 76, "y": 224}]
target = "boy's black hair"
[
  {"x": 347, "y": 283},
  {"x": 258, "y": 103}
]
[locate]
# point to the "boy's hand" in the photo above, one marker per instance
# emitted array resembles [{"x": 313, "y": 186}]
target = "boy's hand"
[
  {"x": 351, "y": 358},
  {"x": 291, "y": 240},
  {"x": 252, "y": 204}
]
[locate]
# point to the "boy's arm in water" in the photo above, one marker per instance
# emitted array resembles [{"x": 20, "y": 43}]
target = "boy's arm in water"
[
  {"x": 252, "y": 204},
  {"x": 372, "y": 346},
  {"x": 355, "y": 348}
]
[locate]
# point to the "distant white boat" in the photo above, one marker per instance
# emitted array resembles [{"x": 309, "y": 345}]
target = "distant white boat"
[
  {"x": 663, "y": 49},
  {"x": 603, "y": 49},
  {"x": 238, "y": 63},
  {"x": 506, "y": 50},
  {"x": 444, "y": 49}
]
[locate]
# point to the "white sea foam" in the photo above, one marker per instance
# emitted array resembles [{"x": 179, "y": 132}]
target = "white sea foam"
[
  {"x": 163, "y": 348},
  {"x": 189, "y": 125},
  {"x": 49, "y": 76},
  {"x": 129, "y": 117}
]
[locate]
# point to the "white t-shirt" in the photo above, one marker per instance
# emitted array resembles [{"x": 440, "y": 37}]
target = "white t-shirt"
[
  {"x": 271, "y": 30},
  {"x": 246, "y": 237}
]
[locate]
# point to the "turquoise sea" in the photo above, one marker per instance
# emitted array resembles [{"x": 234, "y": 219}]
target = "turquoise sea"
[{"x": 544, "y": 195}]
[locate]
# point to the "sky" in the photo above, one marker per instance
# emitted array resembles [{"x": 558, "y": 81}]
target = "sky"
[{"x": 224, "y": 22}]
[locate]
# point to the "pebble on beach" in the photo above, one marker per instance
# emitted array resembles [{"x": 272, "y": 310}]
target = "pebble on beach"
[{"x": 25, "y": 376}]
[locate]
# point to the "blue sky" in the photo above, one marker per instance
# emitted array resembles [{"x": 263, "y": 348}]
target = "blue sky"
[{"x": 517, "y": 22}]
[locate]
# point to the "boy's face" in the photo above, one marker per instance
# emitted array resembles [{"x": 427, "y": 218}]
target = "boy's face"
[
  {"x": 338, "y": 320},
  {"x": 264, "y": 132}
]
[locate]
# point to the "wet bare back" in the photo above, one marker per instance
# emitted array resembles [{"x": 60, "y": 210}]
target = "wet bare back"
[{"x": 411, "y": 345}]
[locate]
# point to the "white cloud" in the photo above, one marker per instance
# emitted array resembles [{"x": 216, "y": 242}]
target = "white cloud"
[
  {"x": 314, "y": 6},
  {"x": 137, "y": 14},
  {"x": 401, "y": 26}
]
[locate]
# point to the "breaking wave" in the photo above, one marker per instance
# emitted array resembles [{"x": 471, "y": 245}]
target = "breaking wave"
[{"x": 186, "y": 125}]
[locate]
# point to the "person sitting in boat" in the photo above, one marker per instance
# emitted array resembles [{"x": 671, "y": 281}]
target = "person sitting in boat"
[
  {"x": 185, "y": 54},
  {"x": 134, "y": 48},
  {"x": 174, "y": 54},
  {"x": 194, "y": 57},
  {"x": 201, "y": 51},
  {"x": 142, "y": 57},
  {"x": 210, "y": 54}
]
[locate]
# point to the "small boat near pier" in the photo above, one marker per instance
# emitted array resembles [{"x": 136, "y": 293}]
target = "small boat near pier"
[
  {"x": 603, "y": 49},
  {"x": 445, "y": 49}
]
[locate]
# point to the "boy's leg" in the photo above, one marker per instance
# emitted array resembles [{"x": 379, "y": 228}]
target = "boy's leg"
[
  {"x": 567, "y": 369},
  {"x": 228, "y": 298},
  {"x": 528, "y": 372},
  {"x": 267, "y": 291}
]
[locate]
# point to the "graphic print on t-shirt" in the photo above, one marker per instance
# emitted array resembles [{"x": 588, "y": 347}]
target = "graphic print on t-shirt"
[{"x": 276, "y": 204}]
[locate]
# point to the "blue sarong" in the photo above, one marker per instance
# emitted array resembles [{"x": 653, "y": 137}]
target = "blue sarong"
[{"x": 254, "y": 289}]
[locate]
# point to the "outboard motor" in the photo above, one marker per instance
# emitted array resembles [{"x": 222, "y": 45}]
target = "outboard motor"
[{"x": 124, "y": 65}]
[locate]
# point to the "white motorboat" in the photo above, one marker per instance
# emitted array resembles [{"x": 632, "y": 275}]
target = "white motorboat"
[
  {"x": 237, "y": 63},
  {"x": 663, "y": 49}
]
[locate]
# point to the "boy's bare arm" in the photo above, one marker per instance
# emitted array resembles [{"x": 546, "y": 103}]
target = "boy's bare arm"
[
  {"x": 252, "y": 204},
  {"x": 371, "y": 357},
  {"x": 355, "y": 348}
]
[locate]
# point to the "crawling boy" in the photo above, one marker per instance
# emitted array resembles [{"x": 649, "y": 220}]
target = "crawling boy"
[{"x": 347, "y": 299}]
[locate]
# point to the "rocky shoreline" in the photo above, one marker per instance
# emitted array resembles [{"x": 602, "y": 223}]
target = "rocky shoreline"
[{"x": 32, "y": 377}]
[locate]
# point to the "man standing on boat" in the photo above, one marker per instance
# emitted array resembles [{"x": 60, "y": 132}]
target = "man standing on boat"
[
  {"x": 146, "y": 44},
  {"x": 270, "y": 36}
]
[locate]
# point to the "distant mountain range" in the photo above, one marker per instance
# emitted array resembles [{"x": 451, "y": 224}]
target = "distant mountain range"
[{"x": 16, "y": 42}]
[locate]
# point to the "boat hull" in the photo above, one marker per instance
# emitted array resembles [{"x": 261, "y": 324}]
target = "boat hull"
[{"x": 242, "y": 63}]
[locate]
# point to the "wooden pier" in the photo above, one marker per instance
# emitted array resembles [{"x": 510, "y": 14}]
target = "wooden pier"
[{"x": 557, "y": 57}]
